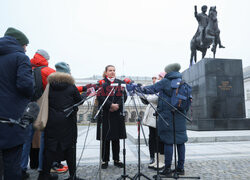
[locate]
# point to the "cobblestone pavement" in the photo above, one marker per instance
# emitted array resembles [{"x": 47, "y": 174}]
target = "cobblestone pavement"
[
  {"x": 210, "y": 161},
  {"x": 222, "y": 169}
]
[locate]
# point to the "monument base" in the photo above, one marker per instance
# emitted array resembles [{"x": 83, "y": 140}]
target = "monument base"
[
  {"x": 219, "y": 124},
  {"x": 218, "y": 95}
]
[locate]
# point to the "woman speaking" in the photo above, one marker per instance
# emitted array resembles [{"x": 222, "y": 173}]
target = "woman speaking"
[{"x": 113, "y": 125}]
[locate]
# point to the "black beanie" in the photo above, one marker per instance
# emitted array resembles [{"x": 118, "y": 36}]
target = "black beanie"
[{"x": 20, "y": 37}]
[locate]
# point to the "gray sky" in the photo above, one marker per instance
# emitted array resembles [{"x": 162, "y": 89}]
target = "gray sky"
[{"x": 139, "y": 37}]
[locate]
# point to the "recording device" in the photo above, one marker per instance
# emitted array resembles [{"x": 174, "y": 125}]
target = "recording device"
[{"x": 29, "y": 116}]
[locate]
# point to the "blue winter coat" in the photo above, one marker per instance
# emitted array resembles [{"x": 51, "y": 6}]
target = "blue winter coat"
[
  {"x": 165, "y": 91},
  {"x": 16, "y": 87}
]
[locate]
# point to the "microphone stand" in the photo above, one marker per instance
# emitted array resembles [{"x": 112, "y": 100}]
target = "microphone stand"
[
  {"x": 11, "y": 122},
  {"x": 173, "y": 110},
  {"x": 156, "y": 114},
  {"x": 124, "y": 176},
  {"x": 139, "y": 174},
  {"x": 101, "y": 139},
  {"x": 71, "y": 108}
]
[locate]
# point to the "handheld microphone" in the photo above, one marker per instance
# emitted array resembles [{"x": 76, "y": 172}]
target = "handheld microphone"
[{"x": 30, "y": 113}]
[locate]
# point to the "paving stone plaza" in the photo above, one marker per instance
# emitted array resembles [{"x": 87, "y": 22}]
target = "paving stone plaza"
[{"x": 209, "y": 155}]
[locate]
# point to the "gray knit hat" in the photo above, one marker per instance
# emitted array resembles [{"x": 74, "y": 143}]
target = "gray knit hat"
[
  {"x": 62, "y": 67},
  {"x": 43, "y": 53},
  {"x": 175, "y": 67}
]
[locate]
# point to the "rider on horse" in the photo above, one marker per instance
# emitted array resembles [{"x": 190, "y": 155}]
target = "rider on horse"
[{"x": 202, "y": 19}]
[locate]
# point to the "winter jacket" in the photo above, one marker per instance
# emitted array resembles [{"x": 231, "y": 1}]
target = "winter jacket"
[
  {"x": 61, "y": 131},
  {"x": 149, "y": 119},
  {"x": 165, "y": 132},
  {"x": 16, "y": 88},
  {"x": 38, "y": 61},
  {"x": 113, "y": 124}
]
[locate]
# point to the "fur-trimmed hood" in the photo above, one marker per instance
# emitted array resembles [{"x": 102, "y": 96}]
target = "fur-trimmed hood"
[{"x": 60, "y": 80}]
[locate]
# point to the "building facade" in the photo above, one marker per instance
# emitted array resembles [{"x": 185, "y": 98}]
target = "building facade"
[{"x": 246, "y": 74}]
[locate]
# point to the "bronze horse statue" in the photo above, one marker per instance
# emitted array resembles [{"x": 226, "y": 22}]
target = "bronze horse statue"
[{"x": 211, "y": 36}]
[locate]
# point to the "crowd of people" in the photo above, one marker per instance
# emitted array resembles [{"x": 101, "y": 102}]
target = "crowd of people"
[{"x": 52, "y": 138}]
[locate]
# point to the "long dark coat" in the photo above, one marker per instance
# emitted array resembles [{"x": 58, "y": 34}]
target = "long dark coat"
[
  {"x": 16, "y": 88},
  {"x": 61, "y": 130},
  {"x": 165, "y": 132},
  {"x": 113, "y": 126}
]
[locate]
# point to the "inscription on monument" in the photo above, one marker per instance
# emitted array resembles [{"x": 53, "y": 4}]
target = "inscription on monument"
[{"x": 225, "y": 86}]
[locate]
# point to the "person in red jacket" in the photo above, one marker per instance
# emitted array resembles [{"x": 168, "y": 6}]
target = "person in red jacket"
[{"x": 40, "y": 58}]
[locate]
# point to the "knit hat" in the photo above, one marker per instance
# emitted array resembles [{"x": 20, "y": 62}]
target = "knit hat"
[
  {"x": 175, "y": 67},
  {"x": 162, "y": 74},
  {"x": 20, "y": 37},
  {"x": 43, "y": 53},
  {"x": 62, "y": 67}
]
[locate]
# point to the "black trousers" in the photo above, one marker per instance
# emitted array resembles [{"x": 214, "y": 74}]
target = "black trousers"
[
  {"x": 106, "y": 150},
  {"x": 52, "y": 156},
  {"x": 11, "y": 159},
  {"x": 152, "y": 142}
]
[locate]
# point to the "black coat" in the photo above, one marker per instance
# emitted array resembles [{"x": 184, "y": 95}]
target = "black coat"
[
  {"x": 113, "y": 122},
  {"x": 16, "y": 88},
  {"x": 61, "y": 130}
]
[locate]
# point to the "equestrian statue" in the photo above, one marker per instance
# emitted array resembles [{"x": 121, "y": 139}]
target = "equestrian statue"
[{"x": 207, "y": 33}]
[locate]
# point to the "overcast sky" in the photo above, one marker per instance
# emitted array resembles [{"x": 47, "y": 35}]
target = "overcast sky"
[{"x": 139, "y": 37}]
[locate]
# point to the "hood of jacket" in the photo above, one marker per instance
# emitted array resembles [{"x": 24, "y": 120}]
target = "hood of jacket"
[
  {"x": 60, "y": 81},
  {"x": 173, "y": 75},
  {"x": 9, "y": 45},
  {"x": 38, "y": 60}
]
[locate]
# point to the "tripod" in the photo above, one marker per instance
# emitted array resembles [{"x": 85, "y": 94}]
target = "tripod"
[
  {"x": 124, "y": 176},
  {"x": 139, "y": 174},
  {"x": 173, "y": 110},
  {"x": 156, "y": 114}
]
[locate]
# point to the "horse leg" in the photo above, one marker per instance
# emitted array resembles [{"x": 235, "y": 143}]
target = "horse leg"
[
  {"x": 204, "y": 51},
  {"x": 195, "y": 56}
]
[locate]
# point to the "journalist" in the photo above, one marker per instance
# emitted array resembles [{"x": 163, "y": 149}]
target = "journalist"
[{"x": 16, "y": 89}]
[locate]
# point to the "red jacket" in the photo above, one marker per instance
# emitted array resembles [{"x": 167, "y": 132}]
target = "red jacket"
[{"x": 38, "y": 61}]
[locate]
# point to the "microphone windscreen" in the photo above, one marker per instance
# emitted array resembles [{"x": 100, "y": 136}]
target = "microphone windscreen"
[
  {"x": 127, "y": 80},
  {"x": 101, "y": 82},
  {"x": 31, "y": 112}
]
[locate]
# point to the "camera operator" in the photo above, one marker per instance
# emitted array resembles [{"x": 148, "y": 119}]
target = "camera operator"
[
  {"x": 113, "y": 124},
  {"x": 16, "y": 89}
]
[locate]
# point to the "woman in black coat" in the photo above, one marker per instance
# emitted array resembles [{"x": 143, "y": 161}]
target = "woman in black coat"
[
  {"x": 113, "y": 124},
  {"x": 60, "y": 134}
]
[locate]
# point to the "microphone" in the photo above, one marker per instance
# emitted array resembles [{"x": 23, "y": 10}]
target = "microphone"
[
  {"x": 118, "y": 84},
  {"x": 30, "y": 114}
]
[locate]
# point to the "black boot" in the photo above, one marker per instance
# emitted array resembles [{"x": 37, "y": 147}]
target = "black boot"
[{"x": 166, "y": 171}]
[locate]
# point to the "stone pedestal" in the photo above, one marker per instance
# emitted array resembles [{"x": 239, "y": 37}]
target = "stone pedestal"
[{"x": 218, "y": 95}]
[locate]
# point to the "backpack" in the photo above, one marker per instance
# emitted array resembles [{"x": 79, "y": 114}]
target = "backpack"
[
  {"x": 181, "y": 94},
  {"x": 37, "y": 83}
]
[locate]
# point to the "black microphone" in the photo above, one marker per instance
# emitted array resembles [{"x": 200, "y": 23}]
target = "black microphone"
[{"x": 30, "y": 114}]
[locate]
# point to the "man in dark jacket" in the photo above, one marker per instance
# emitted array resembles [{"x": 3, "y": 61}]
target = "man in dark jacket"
[
  {"x": 165, "y": 132},
  {"x": 16, "y": 88}
]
